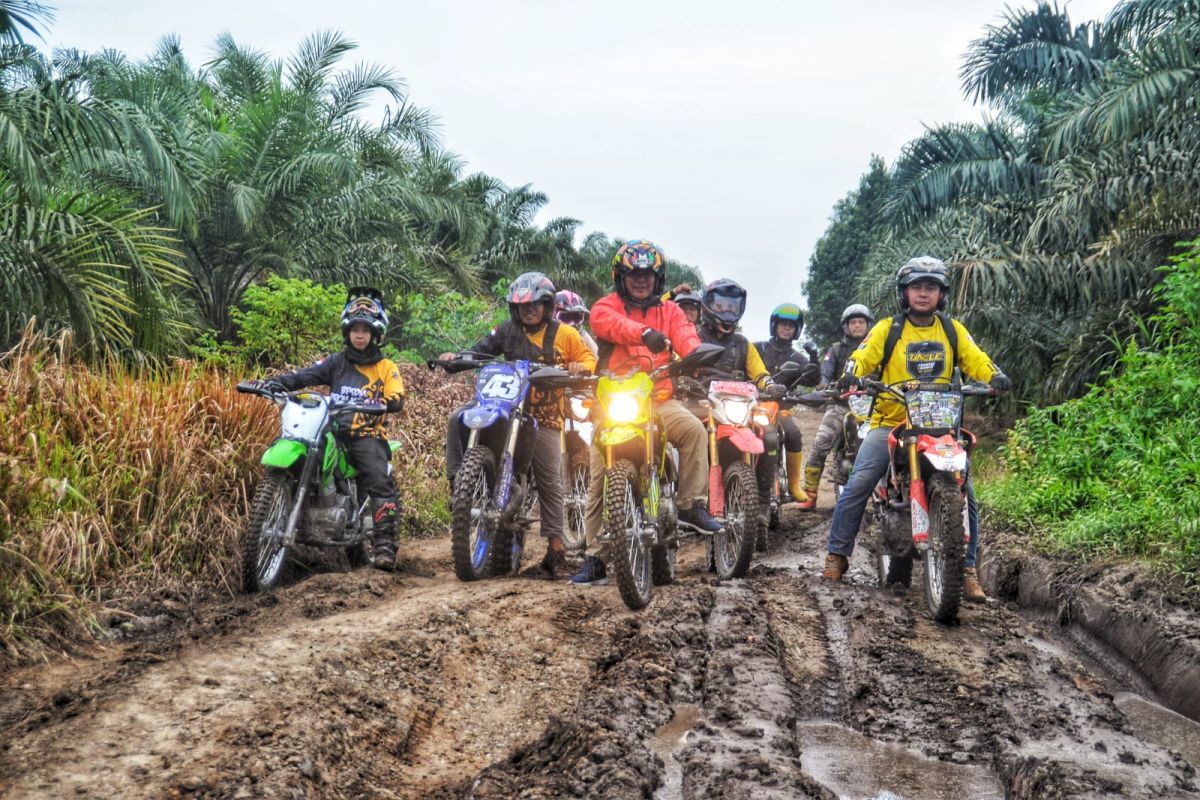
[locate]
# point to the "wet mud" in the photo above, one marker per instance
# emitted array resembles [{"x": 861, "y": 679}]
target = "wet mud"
[{"x": 415, "y": 685}]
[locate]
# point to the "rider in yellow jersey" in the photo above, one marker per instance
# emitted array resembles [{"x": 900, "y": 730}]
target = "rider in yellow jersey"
[{"x": 928, "y": 347}]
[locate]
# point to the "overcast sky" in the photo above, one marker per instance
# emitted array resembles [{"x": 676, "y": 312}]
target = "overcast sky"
[{"x": 724, "y": 131}]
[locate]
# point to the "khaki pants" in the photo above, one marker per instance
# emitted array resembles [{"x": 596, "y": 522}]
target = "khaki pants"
[{"x": 687, "y": 433}]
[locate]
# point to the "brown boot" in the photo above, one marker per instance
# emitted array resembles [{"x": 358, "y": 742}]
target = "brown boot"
[
  {"x": 812, "y": 484},
  {"x": 554, "y": 563},
  {"x": 972, "y": 591},
  {"x": 835, "y": 567}
]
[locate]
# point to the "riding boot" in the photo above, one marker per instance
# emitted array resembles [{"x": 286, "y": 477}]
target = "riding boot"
[
  {"x": 795, "y": 472},
  {"x": 383, "y": 534},
  {"x": 812, "y": 483},
  {"x": 972, "y": 591}
]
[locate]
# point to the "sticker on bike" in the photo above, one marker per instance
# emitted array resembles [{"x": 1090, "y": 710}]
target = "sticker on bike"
[{"x": 502, "y": 387}]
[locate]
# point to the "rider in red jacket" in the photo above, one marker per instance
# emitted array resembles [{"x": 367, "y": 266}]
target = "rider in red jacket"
[{"x": 636, "y": 330}]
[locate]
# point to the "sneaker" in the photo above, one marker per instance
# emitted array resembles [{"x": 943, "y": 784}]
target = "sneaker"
[
  {"x": 698, "y": 516},
  {"x": 972, "y": 591},
  {"x": 592, "y": 573},
  {"x": 835, "y": 567}
]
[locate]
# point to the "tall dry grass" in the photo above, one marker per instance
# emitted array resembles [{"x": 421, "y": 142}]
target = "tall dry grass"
[{"x": 115, "y": 481}]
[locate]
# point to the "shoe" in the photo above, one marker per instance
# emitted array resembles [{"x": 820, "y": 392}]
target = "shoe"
[
  {"x": 972, "y": 591},
  {"x": 835, "y": 567},
  {"x": 554, "y": 563},
  {"x": 592, "y": 573},
  {"x": 698, "y": 516}
]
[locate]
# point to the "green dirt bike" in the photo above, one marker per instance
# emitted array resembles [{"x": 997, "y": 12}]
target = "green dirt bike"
[{"x": 308, "y": 494}]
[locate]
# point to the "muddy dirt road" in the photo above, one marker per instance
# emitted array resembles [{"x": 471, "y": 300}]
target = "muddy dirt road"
[{"x": 415, "y": 685}]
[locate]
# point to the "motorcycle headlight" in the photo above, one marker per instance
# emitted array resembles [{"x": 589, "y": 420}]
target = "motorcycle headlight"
[
  {"x": 736, "y": 411},
  {"x": 579, "y": 410},
  {"x": 622, "y": 409}
]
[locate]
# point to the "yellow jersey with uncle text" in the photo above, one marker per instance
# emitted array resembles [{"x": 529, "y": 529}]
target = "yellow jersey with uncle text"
[{"x": 921, "y": 353}]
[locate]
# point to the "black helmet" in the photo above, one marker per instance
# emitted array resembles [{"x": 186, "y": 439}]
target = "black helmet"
[
  {"x": 857, "y": 310},
  {"x": 638, "y": 254},
  {"x": 723, "y": 305},
  {"x": 530, "y": 287},
  {"x": 365, "y": 304},
  {"x": 689, "y": 298},
  {"x": 920, "y": 268},
  {"x": 788, "y": 312}
]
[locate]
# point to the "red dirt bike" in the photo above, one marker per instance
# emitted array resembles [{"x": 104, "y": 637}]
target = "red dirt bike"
[
  {"x": 919, "y": 508},
  {"x": 734, "y": 447}
]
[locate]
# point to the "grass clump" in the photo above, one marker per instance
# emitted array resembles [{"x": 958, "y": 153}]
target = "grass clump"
[
  {"x": 115, "y": 481},
  {"x": 1117, "y": 472}
]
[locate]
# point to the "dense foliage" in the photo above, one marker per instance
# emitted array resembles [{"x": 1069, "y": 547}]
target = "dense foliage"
[
  {"x": 1117, "y": 471},
  {"x": 141, "y": 200},
  {"x": 1055, "y": 210},
  {"x": 839, "y": 255}
]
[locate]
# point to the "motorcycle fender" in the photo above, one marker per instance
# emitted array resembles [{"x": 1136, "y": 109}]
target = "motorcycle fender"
[
  {"x": 284, "y": 453},
  {"x": 619, "y": 435},
  {"x": 481, "y": 417},
  {"x": 743, "y": 438},
  {"x": 920, "y": 511}
]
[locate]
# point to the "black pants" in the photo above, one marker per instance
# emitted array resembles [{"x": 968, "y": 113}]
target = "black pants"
[{"x": 372, "y": 457}]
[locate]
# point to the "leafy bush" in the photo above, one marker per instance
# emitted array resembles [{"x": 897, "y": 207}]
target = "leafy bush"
[
  {"x": 1118, "y": 470},
  {"x": 425, "y": 325}
]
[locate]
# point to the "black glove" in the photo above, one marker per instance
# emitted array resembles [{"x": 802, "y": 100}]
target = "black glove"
[
  {"x": 655, "y": 340},
  {"x": 1001, "y": 382},
  {"x": 849, "y": 382},
  {"x": 773, "y": 391},
  {"x": 810, "y": 375}
]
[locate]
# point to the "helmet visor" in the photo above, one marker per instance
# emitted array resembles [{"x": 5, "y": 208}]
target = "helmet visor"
[{"x": 727, "y": 306}]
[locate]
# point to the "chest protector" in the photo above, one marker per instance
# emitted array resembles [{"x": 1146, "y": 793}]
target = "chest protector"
[{"x": 732, "y": 365}]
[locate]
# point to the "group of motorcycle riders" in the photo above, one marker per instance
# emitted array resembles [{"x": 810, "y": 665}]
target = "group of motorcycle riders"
[{"x": 638, "y": 324}]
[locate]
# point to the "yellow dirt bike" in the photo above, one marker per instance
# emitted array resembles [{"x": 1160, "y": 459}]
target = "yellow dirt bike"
[{"x": 641, "y": 470}]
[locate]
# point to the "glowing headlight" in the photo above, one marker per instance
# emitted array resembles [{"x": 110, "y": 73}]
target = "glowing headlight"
[
  {"x": 623, "y": 408},
  {"x": 578, "y": 410},
  {"x": 736, "y": 411}
]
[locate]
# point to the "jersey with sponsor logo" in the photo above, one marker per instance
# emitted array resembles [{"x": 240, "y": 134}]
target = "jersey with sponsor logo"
[
  {"x": 356, "y": 383},
  {"x": 921, "y": 353}
]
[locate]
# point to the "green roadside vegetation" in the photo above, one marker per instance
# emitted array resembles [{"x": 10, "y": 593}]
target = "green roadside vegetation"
[
  {"x": 1055, "y": 213},
  {"x": 1117, "y": 471}
]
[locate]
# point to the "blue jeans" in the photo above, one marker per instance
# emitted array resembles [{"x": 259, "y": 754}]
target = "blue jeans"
[{"x": 869, "y": 467}]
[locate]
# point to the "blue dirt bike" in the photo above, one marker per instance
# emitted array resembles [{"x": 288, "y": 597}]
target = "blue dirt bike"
[{"x": 491, "y": 505}]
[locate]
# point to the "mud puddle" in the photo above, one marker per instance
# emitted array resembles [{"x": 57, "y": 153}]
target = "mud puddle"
[
  {"x": 854, "y": 767},
  {"x": 1154, "y": 723},
  {"x": 669, "y": 739}
]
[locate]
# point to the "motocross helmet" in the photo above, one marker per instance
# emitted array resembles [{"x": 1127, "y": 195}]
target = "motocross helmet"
[
  {"x": 570, "y": 308},
  {"x": 723, "y": 305},
  {"x": 530, "y": 287},
  {"x": 858, "y": 310},
  {"x": 365, "y": 304},
  {"x": 787, "y": 312},
  {"x": 634, "y": 255},
  {"x": 920, "y": 268}
]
